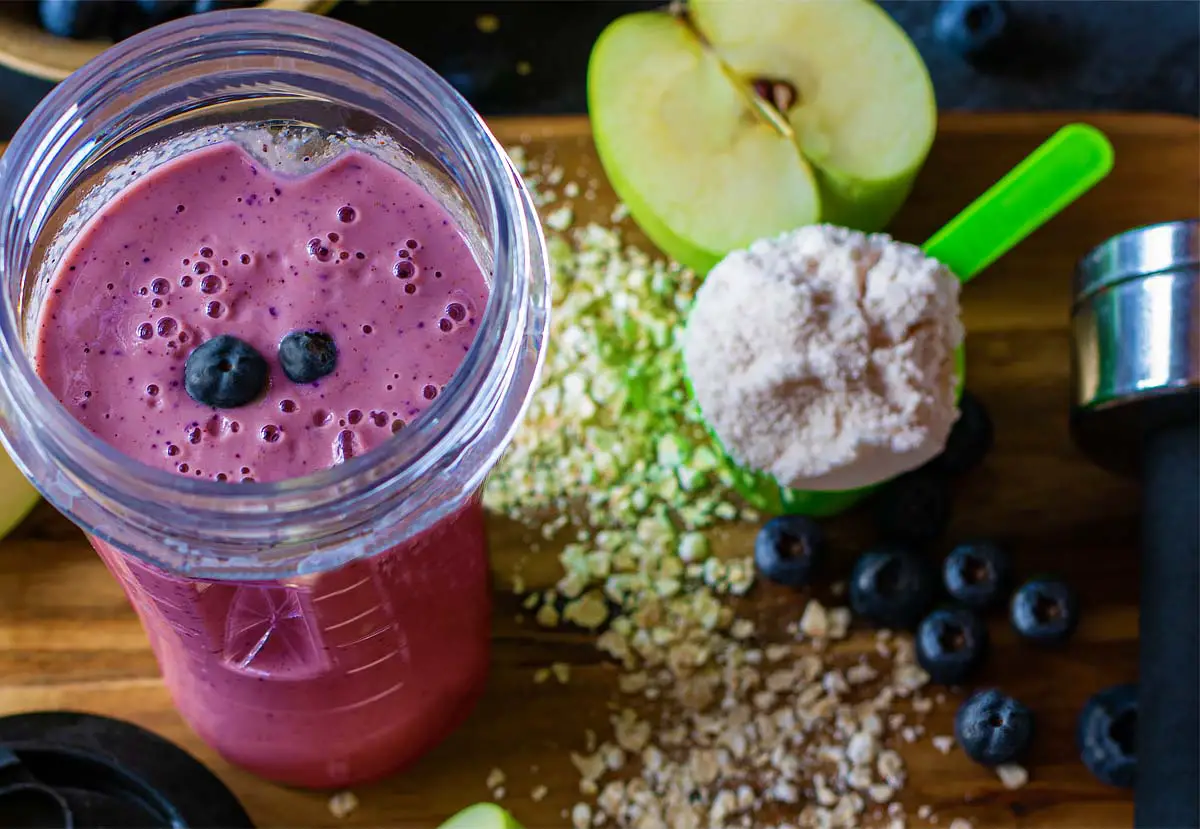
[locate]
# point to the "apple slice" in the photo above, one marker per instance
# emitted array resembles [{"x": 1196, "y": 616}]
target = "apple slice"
[
  {"x": 17, "y": 495},
  {"x": 863, "y": 109},
  {"x": 700, "y": 171},
  {"x": 746, "y": 119},
  {"x": 482, "y": 816}
]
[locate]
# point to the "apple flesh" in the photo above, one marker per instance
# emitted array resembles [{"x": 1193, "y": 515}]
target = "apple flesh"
[
  {"x": 17, "y": 495},
  {"x": 482, "y": 816},
  {"x": 746, "y": 119},
  {"x": 699, "y": 171}
]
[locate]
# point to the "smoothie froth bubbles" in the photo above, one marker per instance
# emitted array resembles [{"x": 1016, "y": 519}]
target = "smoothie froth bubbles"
[{"x": 322, "y": 680}]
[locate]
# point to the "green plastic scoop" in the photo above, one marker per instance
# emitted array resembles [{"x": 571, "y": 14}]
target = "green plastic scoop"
[
  {"x": 1058, "y": 172},
  {"x": 1051, "y": 177}
]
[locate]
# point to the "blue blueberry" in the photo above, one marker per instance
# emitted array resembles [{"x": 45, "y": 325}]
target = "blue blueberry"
[
  {"x": 992, "y": 728},
  {"x": 789, "y": 549},
  {"x": 225, "y": 372},
  {"x": 892, "y": 587},
  {"x": 914, "y": 508},
  {"x": 973, "y": 28},
  {"x": 77, "y": 18},
  {"x": 1044, "y": 610},
  {"x": 158, "y": 10},
  {"x": 970, "y": 439},
  {"x": 951, "y": 643},
  {"x": 307, "y": 356},
  {"x": 202, "y": 6},
  {"x": 1107, "y": 735},
  {"x": 977, "y": 574}
]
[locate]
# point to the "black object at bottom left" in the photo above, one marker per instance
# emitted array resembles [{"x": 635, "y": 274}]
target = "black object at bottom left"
[{"x": 68, "y": 770}]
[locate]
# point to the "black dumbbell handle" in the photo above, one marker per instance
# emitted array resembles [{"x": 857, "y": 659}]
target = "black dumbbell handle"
[{"x": 1168, "y": 735}]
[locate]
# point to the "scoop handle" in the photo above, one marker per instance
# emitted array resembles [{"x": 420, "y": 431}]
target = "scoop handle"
[
  {"x": 1061, "y": 170},
  {"x": 1168, "y": 733}
]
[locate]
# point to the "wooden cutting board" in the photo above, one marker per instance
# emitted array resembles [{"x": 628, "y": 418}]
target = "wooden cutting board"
[{"x": 69, "y": 640}]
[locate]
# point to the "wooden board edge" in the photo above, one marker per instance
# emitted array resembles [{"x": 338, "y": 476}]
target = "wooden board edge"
[{"x": 551, "y": 127}]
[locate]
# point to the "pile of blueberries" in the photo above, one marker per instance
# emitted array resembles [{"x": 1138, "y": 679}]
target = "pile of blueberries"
[
  {"x": 117, "y": 19},
  {"x": 894, "y": 586}
]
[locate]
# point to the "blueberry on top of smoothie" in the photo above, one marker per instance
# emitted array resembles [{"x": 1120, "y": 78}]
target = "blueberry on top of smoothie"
[
  {"x": 225, "y": 372},
  {"x": 307, "y": 356}
]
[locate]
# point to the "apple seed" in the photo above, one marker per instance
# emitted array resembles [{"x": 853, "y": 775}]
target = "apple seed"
[{"x": 779, "y": 94}]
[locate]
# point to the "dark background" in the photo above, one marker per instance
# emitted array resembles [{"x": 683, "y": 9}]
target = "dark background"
[{"x": 1074, "y": 54}]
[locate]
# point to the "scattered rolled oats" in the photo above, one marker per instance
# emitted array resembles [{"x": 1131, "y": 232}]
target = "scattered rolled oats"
[
  {"x": 961, "y": 823},
  {"x": 839, "y": 622},
  {"x": 342, "y": 804},
  {"x": 560, "y": 219},
  {"x": 1013, "y": 776},
  {"x": 539, "y": 793},
  {"x": 943, "y": 743},
  {"x": 495, "y": 778},
  {"x": 613, "y": 459},
  {"x": 861, "y": 748},
  {"x": 547, "y": 616},
  {"x": 815, "y": 622},
  {"x": 581, "y": 816}
]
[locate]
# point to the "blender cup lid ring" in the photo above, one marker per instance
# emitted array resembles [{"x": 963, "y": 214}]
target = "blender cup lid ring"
[{"x": 70, "y": 770}]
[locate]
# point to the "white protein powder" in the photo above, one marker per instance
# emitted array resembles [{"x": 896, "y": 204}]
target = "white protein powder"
[{"x": 825, "y": 356}]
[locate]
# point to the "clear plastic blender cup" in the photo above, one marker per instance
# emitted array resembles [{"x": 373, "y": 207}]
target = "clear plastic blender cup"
[{"x": 330, "y": 629}]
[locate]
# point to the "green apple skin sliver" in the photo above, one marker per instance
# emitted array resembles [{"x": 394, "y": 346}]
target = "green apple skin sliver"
[{"x": 703, "y": 174}]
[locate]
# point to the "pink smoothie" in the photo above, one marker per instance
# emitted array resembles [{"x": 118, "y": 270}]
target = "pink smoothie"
[{"x": 348, "y": 675}]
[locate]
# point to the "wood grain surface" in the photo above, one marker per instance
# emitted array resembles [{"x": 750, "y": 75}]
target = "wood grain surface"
[{"x": 69, "y": 640}]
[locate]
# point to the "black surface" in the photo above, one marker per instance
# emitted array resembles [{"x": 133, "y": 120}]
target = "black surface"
[
  {"x": 1139, "y": 55},
  {"x": 1168, "y": 737},
  {"x": 66, "y": 770}
]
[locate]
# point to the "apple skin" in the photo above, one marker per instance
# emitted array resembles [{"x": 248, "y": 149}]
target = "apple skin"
[
  {"x": 17, "y": 494},
  {"x": 676, "y": 247},
  {"x": 482, "y": 816},
  {"x": 865, "y": 206}
]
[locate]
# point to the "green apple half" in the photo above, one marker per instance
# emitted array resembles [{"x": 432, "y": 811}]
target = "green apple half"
[
  {"x": 733, "y": 121},
  {"x": 17, "y": 495}
]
